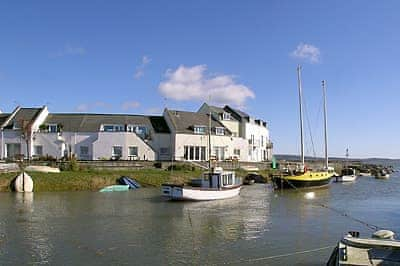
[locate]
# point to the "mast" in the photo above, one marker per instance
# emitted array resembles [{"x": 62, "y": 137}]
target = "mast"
[
  {"x": 325, "y": 124},
  {"x": 301, "y": 113},
  {"x": 209, "y": 140}
]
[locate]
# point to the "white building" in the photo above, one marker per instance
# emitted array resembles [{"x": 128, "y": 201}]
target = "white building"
[
  {"x": 178, "y": 135},
  {"x": 255, "y": 131}
]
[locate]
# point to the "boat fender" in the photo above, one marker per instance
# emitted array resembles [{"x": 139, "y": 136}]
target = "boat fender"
[
  {"x": 383, "y": 234},
  {"x": 354, "y": 234}
]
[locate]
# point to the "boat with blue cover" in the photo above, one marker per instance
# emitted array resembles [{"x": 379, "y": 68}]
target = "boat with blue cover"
[{"x": 125, "y": 180}]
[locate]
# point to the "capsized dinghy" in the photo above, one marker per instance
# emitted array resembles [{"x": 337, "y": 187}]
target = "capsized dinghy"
[
  {"x": 124, "y": 180},
  {"x": 113, "y": 188}
]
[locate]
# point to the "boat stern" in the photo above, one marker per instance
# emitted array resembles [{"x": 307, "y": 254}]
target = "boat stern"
[{"x": 172, "y": 191}]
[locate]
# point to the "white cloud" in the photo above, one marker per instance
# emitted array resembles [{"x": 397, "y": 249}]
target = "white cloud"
[
  {"x": 140, "y": 68},
  {"x": 86, "y": 107},
  {"x": 130, "y": 105},
  {"x": 70, "y": 50},
  {"x": 307, "y": 52},
  {"x": 82, "y": 108},
  {"x": 191, "y": 83}
]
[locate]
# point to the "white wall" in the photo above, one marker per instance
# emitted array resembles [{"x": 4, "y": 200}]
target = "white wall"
[
  {"x": 102, "y": 147},
  {"x": 258, "y": 147}
]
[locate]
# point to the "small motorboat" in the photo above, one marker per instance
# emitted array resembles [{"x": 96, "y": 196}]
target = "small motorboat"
[
  {"x": 215, "y": 185},
  {"x": 380, "y": 249},
  {"x": 382, "y": 174},
  {"x": 348, "y": 175},
  {"x": 23, "y": 183},
  {"x": 125, "y": 180},
  {"x": 114, "y": 188}
]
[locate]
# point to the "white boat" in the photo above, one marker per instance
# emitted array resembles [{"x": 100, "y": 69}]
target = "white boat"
[
  {"x": 381, "y": 249},
  {"x": 218, "y": 184},
  {"x": 23, "y": 183},
  {"x": 348, "y": 175},
  {"x": 382, "y": 174}
]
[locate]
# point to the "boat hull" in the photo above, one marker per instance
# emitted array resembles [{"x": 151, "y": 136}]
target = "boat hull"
[
  {"x": 346, "y": 178},
  {"x": 114, "y": 188},
  {"x": 309, "y": 179},
  {"x": 387, "y": 176},
  {"x": 175, "y": 192},
  {"x": 23, "y": 183}
]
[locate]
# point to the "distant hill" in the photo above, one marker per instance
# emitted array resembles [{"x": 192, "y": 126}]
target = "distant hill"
[{"x": 382, "y": 161}]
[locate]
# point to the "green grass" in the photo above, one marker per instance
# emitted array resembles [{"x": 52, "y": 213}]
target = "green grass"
[{"x": 96, "y": 179}]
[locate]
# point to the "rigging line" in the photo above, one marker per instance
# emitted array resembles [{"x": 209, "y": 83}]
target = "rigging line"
[
  {"x": 280, "y": 255},
  {"x": 309, "y": 127}
]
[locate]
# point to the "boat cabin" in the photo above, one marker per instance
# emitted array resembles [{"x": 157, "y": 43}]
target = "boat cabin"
[
  {"x": 348, "y": 171},
  {"x": 220, "y": 179}
]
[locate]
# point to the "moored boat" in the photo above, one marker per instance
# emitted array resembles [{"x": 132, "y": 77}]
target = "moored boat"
[
  {"x": 382, "y": 174},
  {"x": 302, "y": 177},
  {"x": 23, "y": 183},
  {"x": 381, "y": 249},
  {"x": 215, "y": 185},
  {"x": 347, "y": 175}
]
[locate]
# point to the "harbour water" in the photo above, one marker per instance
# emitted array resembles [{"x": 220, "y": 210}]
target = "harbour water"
[{"x": 260, "y": 227}]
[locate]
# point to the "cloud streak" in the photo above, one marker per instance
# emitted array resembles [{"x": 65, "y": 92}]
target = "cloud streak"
[
  {"x": 86, "y": 107},
  {"x": 307, "y": 52},
  {"x": 70, "y": 50},
  {"x": 192, "y": 83},
  {"x": 139, "y": 73},
  {"x": 130, "y": 105}
]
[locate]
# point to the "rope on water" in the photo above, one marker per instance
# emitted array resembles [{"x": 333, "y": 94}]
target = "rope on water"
[
  {"x": 280, "y": 255},
  {"x": 342, "y": 213}
]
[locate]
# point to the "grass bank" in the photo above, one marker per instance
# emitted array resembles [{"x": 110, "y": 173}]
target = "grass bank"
[{"x": 95, "y": 179}]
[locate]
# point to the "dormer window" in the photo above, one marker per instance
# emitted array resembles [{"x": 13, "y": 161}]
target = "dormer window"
[
  {"x": 199, "y": 130},
  {"x": 226, "y": 116},
  {"x": 220, "y": 131},
  {"x": 52, "y": 128},
  {"x": 113, "y": 128}
]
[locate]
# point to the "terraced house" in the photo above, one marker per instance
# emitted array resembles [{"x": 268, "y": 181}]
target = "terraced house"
[{"x": 177, "y": 135}]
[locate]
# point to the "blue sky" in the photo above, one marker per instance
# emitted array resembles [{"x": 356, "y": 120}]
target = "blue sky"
[{"x": 138, "y": 57}]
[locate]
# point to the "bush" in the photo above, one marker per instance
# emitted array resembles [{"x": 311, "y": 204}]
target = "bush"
[
  {"x": 157, "y": 165},
  {"x": 181, "y": 167},
  {"x": 71, "y": 165}
]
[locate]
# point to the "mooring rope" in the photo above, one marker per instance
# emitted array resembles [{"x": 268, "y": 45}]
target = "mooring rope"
[
  {"x": 342, "y": 213},
  {"x": 278, "y": 256}
]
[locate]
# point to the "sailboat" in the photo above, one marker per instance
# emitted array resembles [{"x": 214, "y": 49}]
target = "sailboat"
[
  {"x": 303, "y": 177},
  {"x": 214, "y": 185},
  {"x": 348, "y": 173}
]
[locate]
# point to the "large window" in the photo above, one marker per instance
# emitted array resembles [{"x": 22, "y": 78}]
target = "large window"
[
  {"x": 117, "y": 151},
  {"x": 164, "y": 150},
  {"x": 84, "y": 150},
  {"x": 199, "y": 129},
  {"x": 194, "y": 153}
]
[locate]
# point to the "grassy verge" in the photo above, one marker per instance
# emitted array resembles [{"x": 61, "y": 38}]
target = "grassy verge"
[{"x": 94, "y": 180}]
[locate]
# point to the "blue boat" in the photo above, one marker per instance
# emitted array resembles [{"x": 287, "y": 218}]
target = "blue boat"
[
  {"x": 113, "y": 188},
  {"x": 125, "y": 180}
]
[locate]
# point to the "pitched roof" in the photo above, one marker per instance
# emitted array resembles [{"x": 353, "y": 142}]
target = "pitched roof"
[
  {"x": 184, "y": 122},
  {"x": 3, "y": 118},
  {"x": 23, "y": 115},
  {"x": 77, "y": 122}
]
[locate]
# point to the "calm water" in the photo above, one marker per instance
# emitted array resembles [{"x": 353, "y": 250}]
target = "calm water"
[{"x": 140, "y": 228}]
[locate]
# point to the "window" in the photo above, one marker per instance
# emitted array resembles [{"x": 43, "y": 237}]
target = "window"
[
  {"x": 84, "y": 150},
  {"x": 236, "y": 152},
  {"x": 132, "y": 152},
  {"x": 220, "y": 131},
  {"x": 194, "y": 153},
  {"x": 117, "y": 151},
  {"x": 38, "y": 150},
  {"x": 113, "y": 128},
  {"x": 52, "y": 128},
  {"x": 199, "y": 129},
  {"x": 226, "y": 116},
  {"x": 227, "y": 179},
  {"x": 262, "y": 141}
]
